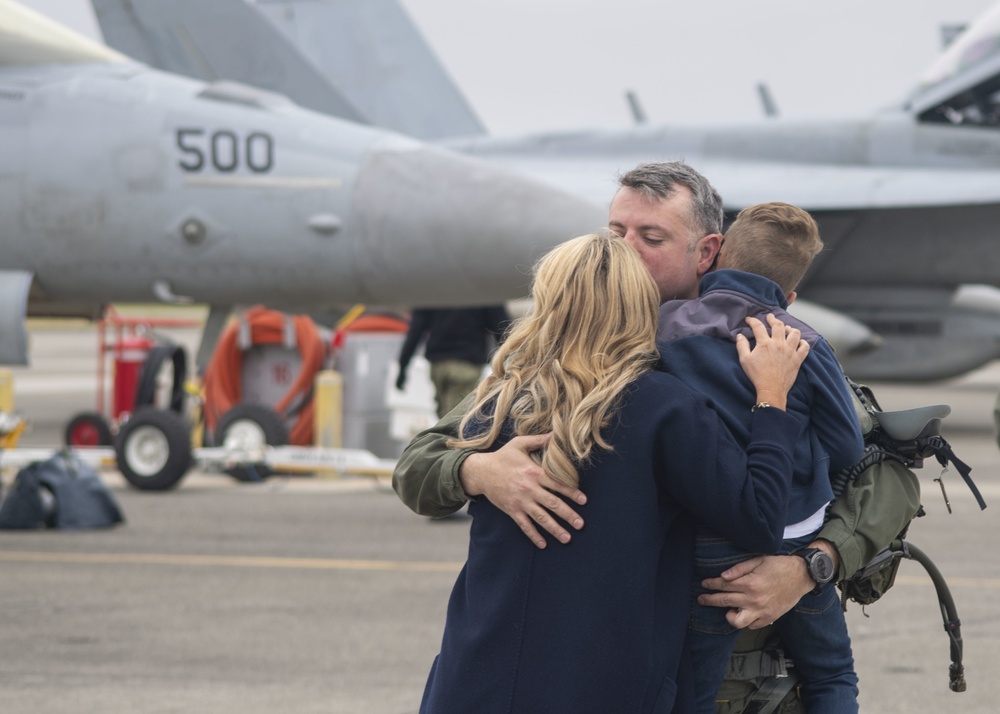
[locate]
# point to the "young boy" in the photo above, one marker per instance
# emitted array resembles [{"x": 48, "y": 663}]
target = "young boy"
[{"x": 765, "y": 253}]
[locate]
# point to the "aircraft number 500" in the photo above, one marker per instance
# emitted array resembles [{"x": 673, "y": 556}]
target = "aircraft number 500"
[{"x": 225, "y": 151}]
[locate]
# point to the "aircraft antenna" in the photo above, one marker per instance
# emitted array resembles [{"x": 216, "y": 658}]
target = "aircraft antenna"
[
  {"x": 638, "y": 115},
  {"x": 767, "y": 101}
]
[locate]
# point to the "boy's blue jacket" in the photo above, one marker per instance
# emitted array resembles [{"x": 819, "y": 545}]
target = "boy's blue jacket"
[{"x": 696, "y": 341}]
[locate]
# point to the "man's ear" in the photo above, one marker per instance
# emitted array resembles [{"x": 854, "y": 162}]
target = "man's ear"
[
  {"x": 790, "y": 297},
  {"x": 708, "y": 252}
]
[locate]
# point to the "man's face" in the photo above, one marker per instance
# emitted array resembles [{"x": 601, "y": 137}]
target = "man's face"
[{"x": 676, "y": 254}]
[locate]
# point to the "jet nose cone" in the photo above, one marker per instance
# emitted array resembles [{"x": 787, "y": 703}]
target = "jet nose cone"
[{"x": 437, "y": 228}]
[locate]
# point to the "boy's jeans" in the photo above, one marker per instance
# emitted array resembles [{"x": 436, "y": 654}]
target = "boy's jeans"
[{"x": 813, "y": 633}]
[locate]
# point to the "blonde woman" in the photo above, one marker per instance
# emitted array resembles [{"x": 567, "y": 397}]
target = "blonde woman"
[{"x": 598, "y": 625}]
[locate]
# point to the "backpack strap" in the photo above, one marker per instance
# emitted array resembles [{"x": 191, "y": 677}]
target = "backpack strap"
[
  {"x": 769, "y": 666},
  {"x": 758, "y": 664},
  {"x": 943, "y": 453},
  {"x": 874, "y": 453},
  {"x": 768, "y": 698}
]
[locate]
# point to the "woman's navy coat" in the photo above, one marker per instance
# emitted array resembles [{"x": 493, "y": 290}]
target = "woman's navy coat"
[{"x": 598, "y": 625}]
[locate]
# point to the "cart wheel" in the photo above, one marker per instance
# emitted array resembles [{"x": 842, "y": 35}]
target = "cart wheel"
[
  {"x": 153, "y": 449},
  {"x": 88, "y": 429},
  {"x": 250, "y": 426}
]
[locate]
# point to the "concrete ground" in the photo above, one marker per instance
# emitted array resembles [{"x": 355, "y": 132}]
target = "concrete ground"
[{"x": 309, "y": 595}]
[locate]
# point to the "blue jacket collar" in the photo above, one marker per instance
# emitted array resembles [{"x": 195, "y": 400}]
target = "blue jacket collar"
[{"x": 756, "y": 286}]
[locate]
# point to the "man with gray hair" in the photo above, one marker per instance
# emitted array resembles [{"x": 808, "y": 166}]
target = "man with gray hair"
[{"x": 673, "y": 217}]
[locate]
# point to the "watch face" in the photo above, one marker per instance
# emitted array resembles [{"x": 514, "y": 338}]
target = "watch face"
[{"x": 821, "y": 567}]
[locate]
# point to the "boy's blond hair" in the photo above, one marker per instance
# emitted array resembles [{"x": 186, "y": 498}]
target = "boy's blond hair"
[{"x": 775, "y": 240}]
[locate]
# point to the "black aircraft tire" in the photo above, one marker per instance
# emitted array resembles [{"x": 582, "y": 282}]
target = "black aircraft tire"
[
  {"x": 254, "y": 423},
  {"x": 153, "y": 449},
  {"x": 88, "y": 429}
]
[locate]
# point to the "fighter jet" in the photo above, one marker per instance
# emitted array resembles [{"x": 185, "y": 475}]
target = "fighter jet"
[
  {"x": 121, "y": 183},
  {"x": 908, "y": 200}
]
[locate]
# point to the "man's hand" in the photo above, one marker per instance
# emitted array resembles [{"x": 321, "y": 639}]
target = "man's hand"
[
  {"x": 760, "y": 590},
  {"x": 518, "y": 486}
]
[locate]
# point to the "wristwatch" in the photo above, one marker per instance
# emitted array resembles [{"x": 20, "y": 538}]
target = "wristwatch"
[{"x": 819, "y": 565}]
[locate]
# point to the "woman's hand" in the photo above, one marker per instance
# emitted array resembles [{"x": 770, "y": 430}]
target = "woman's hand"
[{"x": 773, "y": 363}]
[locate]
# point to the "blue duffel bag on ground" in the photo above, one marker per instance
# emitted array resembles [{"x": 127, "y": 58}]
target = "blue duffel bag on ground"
[{"x": 60, "y": 492}]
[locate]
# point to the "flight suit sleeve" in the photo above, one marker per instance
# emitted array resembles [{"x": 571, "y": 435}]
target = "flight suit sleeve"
[
  {"x": 426, "y": 475},
  {"x": 870, "y": 514}
]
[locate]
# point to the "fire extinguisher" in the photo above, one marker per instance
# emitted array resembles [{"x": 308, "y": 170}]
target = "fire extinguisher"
[{"x": 130, "y": 357}]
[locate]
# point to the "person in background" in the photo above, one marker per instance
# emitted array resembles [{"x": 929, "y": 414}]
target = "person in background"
[{"x": 458, "y": 345}]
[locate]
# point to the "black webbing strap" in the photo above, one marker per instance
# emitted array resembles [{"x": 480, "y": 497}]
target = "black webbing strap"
[
  {"x": 768, "y": 698},
  {"x": 943, "y": 453},
  {"x": 758, "y": 664}
]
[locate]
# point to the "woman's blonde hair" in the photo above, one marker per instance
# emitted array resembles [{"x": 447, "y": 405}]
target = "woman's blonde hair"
[{"x": 564, "y": 366}]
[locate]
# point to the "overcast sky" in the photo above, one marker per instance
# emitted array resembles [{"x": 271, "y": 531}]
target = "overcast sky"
[{"x": 537, "y": 65}]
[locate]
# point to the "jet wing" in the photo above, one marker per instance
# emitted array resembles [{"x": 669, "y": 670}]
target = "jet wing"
[
  {"x": 818, "y": 187},
  {"x": 813, "y": 186}
]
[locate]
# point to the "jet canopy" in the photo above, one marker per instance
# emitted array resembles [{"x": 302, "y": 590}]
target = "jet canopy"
[
  {"x": 28, "y": 38},
  {"x": 978, "y": 42},
  {"x": 963, "y": 85}
]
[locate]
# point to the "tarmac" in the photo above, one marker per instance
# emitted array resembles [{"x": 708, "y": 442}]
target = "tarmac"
[{"x": 315, "y": 595}]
